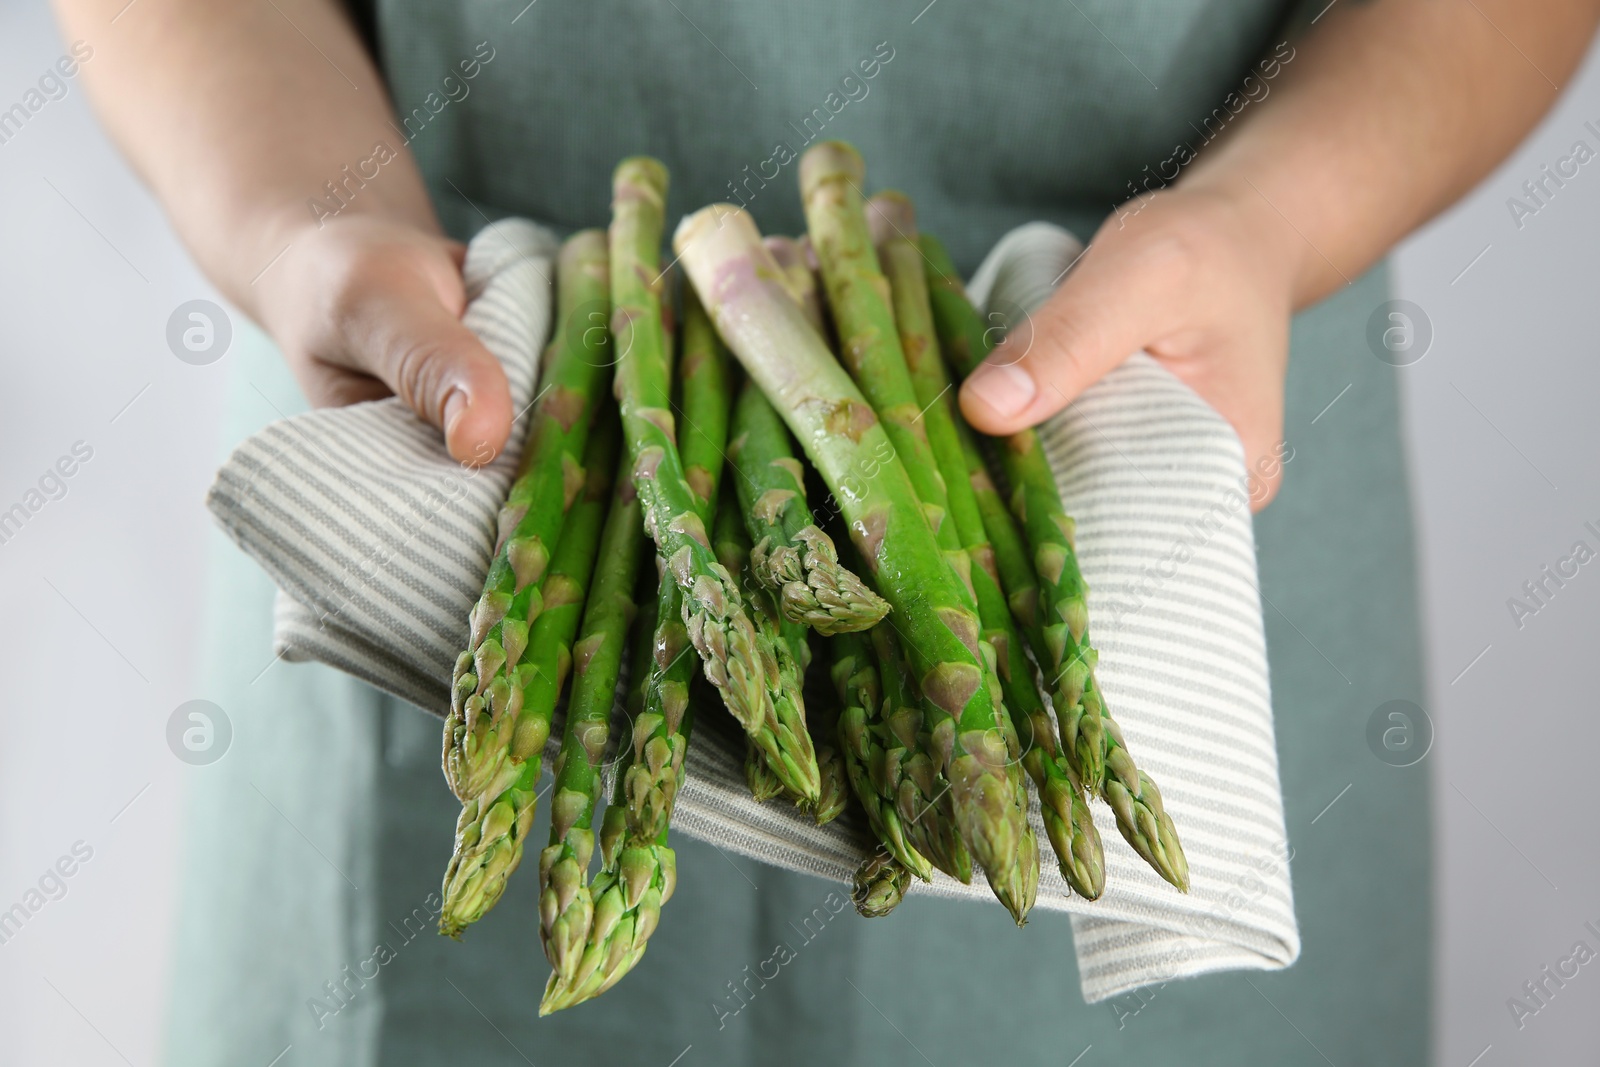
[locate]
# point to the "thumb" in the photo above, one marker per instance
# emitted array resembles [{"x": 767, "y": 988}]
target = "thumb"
[
  {"x": 410, "y": 335},
  {"x": 1111, "y": 305}
]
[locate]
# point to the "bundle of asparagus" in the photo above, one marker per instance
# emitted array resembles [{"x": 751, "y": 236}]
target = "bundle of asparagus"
[{"x": 944, "y": 613}]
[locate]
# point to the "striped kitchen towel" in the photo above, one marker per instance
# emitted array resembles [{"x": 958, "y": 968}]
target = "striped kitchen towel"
[{"x": 378, "y": 543}]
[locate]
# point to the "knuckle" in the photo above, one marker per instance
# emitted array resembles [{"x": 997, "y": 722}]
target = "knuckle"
[{"x": 420, "y": 370}]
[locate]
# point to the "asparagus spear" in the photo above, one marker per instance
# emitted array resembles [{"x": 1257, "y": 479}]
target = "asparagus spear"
[
  {"x": 491, "y": 829},
  {"x": 922, "y": 793},
  {"x": 636, "y": 878},
  {"x": 735, "y": 276},
  {"x": 478, "y": 746},
  {"x": 894, "y": 225},
  {"x": 713, "y": 611},
  {"x": 659, "y": 750},
  {"x": 758, "y": 777},
  {"x": 835, "y": 779},
  {"x": 787, "y": 641},
  {"x": 792, "y": 556},
  {"x": 582, "y": 959},
  {"x": 733, "y": 553},
  {"x": 855, "y": 676},
  {"x": 1091, "y": 739},
  {"x": 1079, "y": 851},
  {"x": 798, "y": 277},
  {"x": 881, "y": 882},
  {"x": 857, "y": 726},
  {"x": 566, "y": 906},
  {"x": 1066, "y": 818},
  {"x": 831, "y": 174}
]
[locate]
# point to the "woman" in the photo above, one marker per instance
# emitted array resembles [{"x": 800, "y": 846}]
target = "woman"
[{"x": 1238, "y": 163}]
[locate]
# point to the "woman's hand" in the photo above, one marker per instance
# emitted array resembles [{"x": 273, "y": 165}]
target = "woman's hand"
[
  {"x": 365, "y": 307},
  {"x": 1377, "y": 118},
  {"x": 364, "y": 303},
  {"x": 1202, "y": 279}
]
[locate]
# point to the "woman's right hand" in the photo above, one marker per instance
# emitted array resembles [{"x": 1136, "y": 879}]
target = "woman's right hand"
[{"x": 364, "y": 307}]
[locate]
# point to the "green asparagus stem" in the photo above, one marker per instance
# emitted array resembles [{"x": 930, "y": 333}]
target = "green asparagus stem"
[
  {"x": 1071, "y": 829},
  {"x": 835, "y": 792},
  {"x": 659, "y": 750},
  {"x": 637, "y": 877},
  {"x": 792, "y": 556},
  {"x": 790, "y": 655},
  {"x": 730, "y": 545},
  {"x": 491, "y": 829},
  {"x": 831, "y": 176},
  {"x": 565, "y": 982},
  {"x": 566, "y": 906},
  {"x": 855, "y": 676},
  {"x": 763, "y": 784},
  {"x": 922, "y": 794},
  {"x": 713, "y": 611},
  {"x": 1091, "y": 740},
  {"x": 735, "y": 276},
  {"x": 480, "y": 757},
  {"x": 881, "y": 883},
  {"x": 894, "y": 226}
]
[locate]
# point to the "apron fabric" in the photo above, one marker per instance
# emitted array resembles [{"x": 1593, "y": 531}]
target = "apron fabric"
[{"x": 316, "y": 845}]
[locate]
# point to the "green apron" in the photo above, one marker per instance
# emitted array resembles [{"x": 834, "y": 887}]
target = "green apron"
[{"x": 317, "y": 844}]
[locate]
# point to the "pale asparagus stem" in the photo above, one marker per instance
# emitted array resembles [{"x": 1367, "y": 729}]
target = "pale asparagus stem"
[
  {"x": 1091, "y": 740},
  {"x": 881, "y": 882},
  {"x": 798, "y": 277},
  {"x": 722, "y": 253},
  {"x": 484, "y": 704},
  {"x": 491, "y": 831},
  {"x": 713, "y": 611},
  {"x": 791, "y": 556},
  {"x": 566, "y": 905}
]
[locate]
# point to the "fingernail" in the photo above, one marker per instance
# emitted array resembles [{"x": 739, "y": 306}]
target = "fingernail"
[
  {"x": 1006, "y": 388},
  {"x": 455, "y": 407}
]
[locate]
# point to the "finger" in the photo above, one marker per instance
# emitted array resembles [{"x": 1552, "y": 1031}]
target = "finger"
[
  {"x": 1114, "y": 303},
  {"x": 407, "y": 335},
  {"x": 336, "y": 387},
  {"x": 1241, "y": 377},
  {"x": 1248, "y": 392}
]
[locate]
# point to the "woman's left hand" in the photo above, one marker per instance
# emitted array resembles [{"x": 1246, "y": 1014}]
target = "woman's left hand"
[{"x": 1200, "y": 278}]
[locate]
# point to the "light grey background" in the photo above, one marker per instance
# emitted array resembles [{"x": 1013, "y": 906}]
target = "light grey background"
[{"x": 100, "y": 592}]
